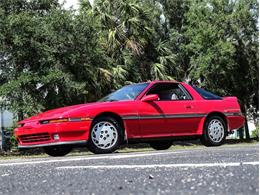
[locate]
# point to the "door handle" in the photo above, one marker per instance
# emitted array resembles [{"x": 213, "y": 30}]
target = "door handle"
[{"x": 189, "y": 106}]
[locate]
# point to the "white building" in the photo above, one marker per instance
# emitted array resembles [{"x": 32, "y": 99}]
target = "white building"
[{"x": 6, "y": 120}]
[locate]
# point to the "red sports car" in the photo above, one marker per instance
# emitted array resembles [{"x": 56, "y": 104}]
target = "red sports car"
[{"x": 155, "y": 112}]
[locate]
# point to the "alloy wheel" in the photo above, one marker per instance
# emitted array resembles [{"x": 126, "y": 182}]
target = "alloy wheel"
[
  {"x": 216, "y": 130},
  {"x": 104, "y": 135}
]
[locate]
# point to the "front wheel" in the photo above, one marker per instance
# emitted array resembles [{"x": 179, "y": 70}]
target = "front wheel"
[
  {"x": 214, "y": 132},
  {"x": 163, "y": 145},
  {"x": 105, "y": 136},
  {"x": 57, "y": 150}
]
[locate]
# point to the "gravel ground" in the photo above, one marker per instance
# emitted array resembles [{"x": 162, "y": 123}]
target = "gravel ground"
[{"x": 215, "y": 170}]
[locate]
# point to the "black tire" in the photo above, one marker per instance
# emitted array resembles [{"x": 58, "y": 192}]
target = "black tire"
[
  {"x": 206, "y": 139},
  {"x": 93, "y": 147},
  {"x": 57, "y": 150},
  {"x": 163, "y": 145}
]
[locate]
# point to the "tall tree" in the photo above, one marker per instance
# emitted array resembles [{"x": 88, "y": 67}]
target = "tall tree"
[
  {"x": 47, "y": 56},
  {"x": 175, "y": 26},
  {"x": 133, "y": 41},
  {"x": 223, "y": 43}
]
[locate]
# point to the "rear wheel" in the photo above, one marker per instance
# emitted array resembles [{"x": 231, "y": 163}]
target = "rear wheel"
[
  {"x": 163, "y": 145},
  {"x": 57, "y": 150},
  {"x": 106, "y": 135},
  {"x": 214, "y": 133}
]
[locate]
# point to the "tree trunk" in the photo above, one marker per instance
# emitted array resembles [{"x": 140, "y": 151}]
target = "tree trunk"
[
  {"x": 20, "y": 115},
  {"x": 246, "y": 129},
  {"x": 241, "y": 133},
  {"x": 246, "y": 124}
]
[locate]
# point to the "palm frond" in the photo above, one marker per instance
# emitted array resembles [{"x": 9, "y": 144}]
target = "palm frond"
[
  {"x": 158, "y": 71},
  {"x": 104, "y": 75},
  {"x": 135, "y": 47}
]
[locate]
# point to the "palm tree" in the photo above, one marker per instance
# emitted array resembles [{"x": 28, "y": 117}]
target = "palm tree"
[{"x": 131, "y": 32}]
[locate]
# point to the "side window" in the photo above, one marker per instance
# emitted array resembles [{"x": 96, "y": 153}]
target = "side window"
[
  {"x": 206, "y": 94},
  {"x": 169, "y": 91}
]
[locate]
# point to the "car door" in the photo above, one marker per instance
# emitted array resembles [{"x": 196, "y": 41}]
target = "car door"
[
  {"x": 181, "y": 117},
  {"x": 174, "y": 114},
  {"x": 152, "y": 121}
]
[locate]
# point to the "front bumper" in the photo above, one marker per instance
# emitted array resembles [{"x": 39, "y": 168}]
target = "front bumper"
[
  {"x": 52, "y": 144},
  {"x": 34, "y": 134}
]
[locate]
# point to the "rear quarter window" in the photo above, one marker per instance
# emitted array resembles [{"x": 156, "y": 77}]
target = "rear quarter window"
[{"x": 206, "y": 94}]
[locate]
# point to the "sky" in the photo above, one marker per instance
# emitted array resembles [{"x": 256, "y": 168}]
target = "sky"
[{"x": 72, "y": 3}]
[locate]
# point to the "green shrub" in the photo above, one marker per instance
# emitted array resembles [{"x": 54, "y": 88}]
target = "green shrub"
[
  {"x": 9, "y": 139},
  {"x": 255, "y": 133}
]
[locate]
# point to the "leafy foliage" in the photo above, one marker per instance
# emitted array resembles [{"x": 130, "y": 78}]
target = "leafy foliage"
[{"x": 255, "y": 133}]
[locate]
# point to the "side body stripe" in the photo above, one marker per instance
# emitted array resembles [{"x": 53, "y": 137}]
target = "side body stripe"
[{"x": 163, "y": 116}]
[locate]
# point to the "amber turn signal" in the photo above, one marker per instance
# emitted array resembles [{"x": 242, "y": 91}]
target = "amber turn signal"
[
  {"x": 59, "y": 120},
  {"x": 65, "y": 120}
]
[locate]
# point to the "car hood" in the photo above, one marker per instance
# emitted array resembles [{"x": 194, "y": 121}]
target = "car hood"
[{"x": 58, "y": 112}]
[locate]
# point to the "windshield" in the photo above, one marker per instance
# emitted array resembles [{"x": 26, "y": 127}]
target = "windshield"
[{"x": 129, "y": 92}]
